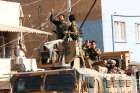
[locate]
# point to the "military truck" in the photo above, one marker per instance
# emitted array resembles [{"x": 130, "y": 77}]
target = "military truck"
[{"x": 75, "y": 76}]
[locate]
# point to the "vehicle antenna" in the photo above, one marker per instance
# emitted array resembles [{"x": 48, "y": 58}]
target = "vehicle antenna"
[{"x": 87, "y": 15}]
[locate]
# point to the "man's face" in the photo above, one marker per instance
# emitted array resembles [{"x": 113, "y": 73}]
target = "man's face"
[
  {"x": 88, "y": 44},
  {"x": 61, "y": 18},
  {"x": 93, "y": 44}
]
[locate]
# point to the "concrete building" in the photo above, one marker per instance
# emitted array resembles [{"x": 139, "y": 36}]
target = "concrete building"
[
  {"x": 112, "y": 23},
  {"x": 9, "y": 15},
  {"x": 120, "y": 27},
  {"x": 36, "y": 15},
  {"x": 11, "y": 29}
]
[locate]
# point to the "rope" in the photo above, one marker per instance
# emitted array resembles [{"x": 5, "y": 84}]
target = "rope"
[
  {"x": 43, "y": 24},
  {"x": 31, "y": 3}
]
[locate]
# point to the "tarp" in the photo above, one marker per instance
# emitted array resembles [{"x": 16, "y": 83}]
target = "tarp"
[{"x": 8, "y": 28}]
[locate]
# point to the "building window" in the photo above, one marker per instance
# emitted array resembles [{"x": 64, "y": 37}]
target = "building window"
[
  {"x": 137, "y": 32},
  {"x": 120, "y": 31}
]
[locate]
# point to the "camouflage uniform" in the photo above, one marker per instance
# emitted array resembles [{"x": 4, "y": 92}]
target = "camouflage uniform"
[{"x": 61, "y": 27}]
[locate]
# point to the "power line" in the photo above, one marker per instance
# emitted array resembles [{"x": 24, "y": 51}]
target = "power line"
[
  {"x": 31, "y": 3},
  {"x": 45, "y": 23}
]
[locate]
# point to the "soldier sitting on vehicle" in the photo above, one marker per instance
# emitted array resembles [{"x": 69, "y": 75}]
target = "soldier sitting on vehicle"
[
  {"x": 92, "y": 53},
  {"x": 55, "y": 54},
  {"x": 86, "y": 46},
  {"x": 45, "y": 55}
]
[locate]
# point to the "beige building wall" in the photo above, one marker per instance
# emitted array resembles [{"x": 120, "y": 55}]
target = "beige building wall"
[{"x": 37, "y": 12}]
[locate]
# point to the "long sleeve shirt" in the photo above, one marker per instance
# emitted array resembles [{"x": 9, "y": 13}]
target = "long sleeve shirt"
[{"x": 61, "y": 27}]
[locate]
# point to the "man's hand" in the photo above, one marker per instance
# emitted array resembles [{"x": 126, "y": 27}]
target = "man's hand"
[{"x": 52, "y": 11}]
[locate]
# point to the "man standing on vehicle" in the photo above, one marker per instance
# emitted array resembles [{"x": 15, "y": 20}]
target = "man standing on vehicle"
[
  {"x": 73, "y": 27},
  {"x": 61, "y": 25}
]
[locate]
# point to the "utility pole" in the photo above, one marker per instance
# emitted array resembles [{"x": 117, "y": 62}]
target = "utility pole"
[{"x": 68, "y": 7}]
